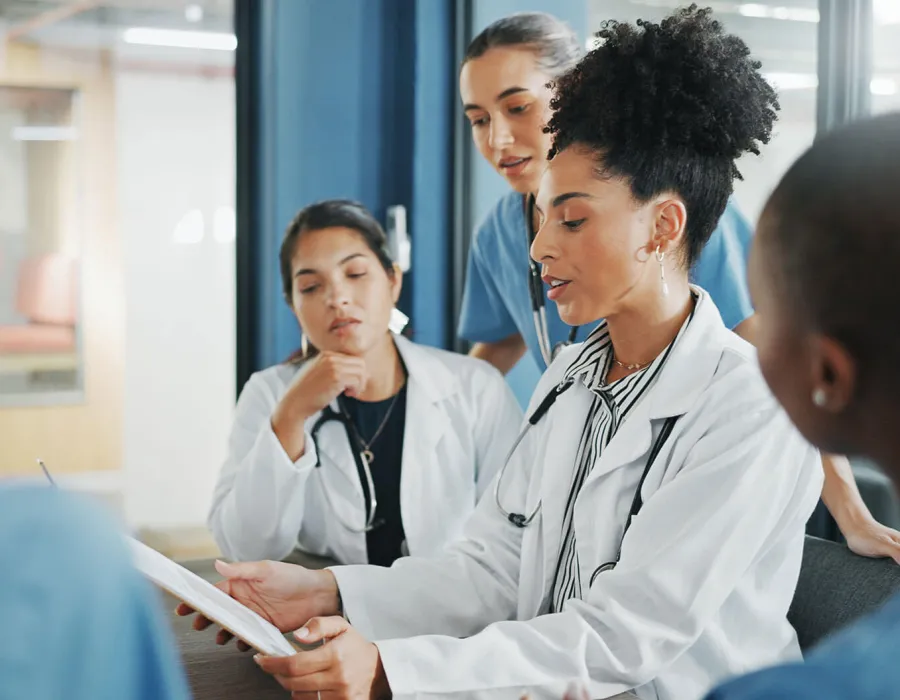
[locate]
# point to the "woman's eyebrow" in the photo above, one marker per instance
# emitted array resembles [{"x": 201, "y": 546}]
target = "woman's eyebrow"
[{"x": 312, "y": 271}]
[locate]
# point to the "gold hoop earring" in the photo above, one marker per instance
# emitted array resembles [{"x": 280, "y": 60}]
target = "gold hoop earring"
[{"x": 660, "y": 257}]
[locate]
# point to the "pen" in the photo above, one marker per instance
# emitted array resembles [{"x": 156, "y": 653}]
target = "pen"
[{"x": 46, "y": 472}]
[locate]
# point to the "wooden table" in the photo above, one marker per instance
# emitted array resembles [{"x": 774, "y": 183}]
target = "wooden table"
[{"x": 224, "y": 673}]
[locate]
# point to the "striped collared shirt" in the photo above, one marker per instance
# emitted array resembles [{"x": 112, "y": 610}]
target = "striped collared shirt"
[{"x": 611, "y": 406}]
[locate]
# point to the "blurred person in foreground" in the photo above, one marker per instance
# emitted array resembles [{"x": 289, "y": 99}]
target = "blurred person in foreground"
[
  {"x": 79, "y": 622},
  {"x": 822, "y": 274}
]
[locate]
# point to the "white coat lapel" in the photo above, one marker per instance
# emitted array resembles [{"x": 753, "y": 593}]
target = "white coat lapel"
[
  {"x": 430, "y": 383},
  {"x": 560, "y": 447},
  {"x": 684, "y": 377}
]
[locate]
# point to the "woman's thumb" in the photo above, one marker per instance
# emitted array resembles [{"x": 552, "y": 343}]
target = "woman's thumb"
[{"x": 241, "y": 570}]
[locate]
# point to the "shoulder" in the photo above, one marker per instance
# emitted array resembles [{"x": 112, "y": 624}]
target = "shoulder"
[
  {"x": 73, "y": 530},
  {"x": 738, "y": 378},
  {"x": 468, "y": 372},
  {"x": 734, "y": 222},
  {"x": 505, "y": 218}
]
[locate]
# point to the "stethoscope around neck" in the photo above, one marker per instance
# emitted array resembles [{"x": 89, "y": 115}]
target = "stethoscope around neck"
[
  {"x": 538, "y": 302},
  {"x": 363, "y": 470},
  {"x": 523, "y": 520}
]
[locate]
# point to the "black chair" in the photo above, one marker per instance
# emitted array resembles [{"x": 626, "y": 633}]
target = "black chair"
[{"x": 837, "y": 587}]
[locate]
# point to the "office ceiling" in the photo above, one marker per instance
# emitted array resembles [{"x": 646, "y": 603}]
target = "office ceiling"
[
  {"x": 783, "y": 34},
  {"x": 29, "y": 18}
]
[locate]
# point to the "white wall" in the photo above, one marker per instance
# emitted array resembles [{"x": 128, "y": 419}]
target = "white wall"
[
  {"x": 175, "y": 155},
  {"x": 792, "y": 135}
]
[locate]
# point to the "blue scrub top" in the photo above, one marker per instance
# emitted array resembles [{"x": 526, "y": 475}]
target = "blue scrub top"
[
  {"x": 496, "y": 303},
  {"x": 858, "y": 663}
]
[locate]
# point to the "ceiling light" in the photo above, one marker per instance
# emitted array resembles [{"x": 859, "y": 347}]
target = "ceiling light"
[
  {"x": 792, "y": 81},
  {"x": 795, "y": 14},
  {"x": 193, "y": 13},
  {"x": 190, "y": 229},
  {"x": 883, "y": 86},
  {"x": 887, "y": 11},
  {"x": 179, "y": 39},
  {"x": 808, "y": 81},
  {"x": 44, "y": 133}
]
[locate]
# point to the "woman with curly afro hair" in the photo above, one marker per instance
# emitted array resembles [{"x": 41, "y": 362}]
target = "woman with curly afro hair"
[
  {"x": 647, "y": 532},
  {"x": 505, "y": 92}
]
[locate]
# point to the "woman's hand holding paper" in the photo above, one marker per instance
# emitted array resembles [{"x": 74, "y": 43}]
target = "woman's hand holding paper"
[
  {"x": 344, "y": 667},
  {"x": 286, "y": 595}
]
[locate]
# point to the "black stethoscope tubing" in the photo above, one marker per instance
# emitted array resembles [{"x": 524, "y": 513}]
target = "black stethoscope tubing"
[{"x": 536, "y": 292}]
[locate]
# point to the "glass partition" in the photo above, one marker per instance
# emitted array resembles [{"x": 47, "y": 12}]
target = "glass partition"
[{"x": 41, "y": 360}]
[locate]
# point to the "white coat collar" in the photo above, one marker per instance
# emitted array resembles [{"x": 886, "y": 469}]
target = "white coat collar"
[
  {"x": 693, "y": 361},
  {"x": 426, "y": 371},
  {"x": 687, "y": 374}
]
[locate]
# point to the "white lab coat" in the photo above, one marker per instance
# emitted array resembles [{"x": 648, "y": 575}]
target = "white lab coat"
[
  {"x": 708, "y": 567},
  {"x": 461, "y": 419}
]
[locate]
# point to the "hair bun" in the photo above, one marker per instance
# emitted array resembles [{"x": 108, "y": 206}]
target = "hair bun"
[{"x": 680, "y": 85}]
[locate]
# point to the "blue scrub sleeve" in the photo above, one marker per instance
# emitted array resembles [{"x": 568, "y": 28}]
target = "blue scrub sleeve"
[
  {"x": 483, "y": 316},
  {"x": 722, "y": 268}
]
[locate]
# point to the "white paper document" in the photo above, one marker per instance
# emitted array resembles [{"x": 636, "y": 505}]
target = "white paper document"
[{"x": 213, "y": 603}]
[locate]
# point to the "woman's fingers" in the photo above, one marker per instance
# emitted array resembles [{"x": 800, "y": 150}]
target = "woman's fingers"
[
  {"x": 183, "y": 610},
  {"x": 243, "y": 571},
  {"x": 304, "y": 664},
  {"x": 314, "y": 682},
  {"x": 320, "y": 628},
  {"x": 223, "y": 636},
  {"x": 201, "y": 623}
]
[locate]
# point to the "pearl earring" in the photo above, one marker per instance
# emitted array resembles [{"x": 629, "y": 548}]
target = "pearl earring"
[
  {"x": 820, "y": 398},
  {"x": 304, "y": 346},
  {"x": 660, "y": 256}
]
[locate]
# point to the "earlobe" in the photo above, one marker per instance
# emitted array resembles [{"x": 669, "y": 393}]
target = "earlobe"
[
  {"x": 835, "y": 375},
  {"x": 396, "y": 283}
]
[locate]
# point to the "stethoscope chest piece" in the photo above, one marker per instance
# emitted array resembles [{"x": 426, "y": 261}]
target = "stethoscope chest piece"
[{"x": 518, "y": 519}]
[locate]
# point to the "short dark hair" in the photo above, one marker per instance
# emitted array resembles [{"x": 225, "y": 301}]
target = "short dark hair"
[
  {"x": 834, "y": 227},
  {"x": 551, "y": 40},
  {"x": 668, "y": 107},
  {"x": 332, "y": 213}
]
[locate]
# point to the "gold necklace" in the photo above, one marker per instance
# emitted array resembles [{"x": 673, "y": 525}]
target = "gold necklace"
[
  {"x": 368, "y": 455},
  {"x": 631, "y": 368}
]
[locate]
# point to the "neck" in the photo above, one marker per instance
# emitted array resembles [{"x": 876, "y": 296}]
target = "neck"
[
  {"x": 385, "y": 371},
  {"x": 640, "y": 334}
]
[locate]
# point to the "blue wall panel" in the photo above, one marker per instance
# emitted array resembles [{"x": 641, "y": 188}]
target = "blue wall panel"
[
  {"x": 432, "y": 204},
  {"x": 353, "y": 103}
]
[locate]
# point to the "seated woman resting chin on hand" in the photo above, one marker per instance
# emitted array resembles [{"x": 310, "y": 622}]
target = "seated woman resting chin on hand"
[{"x": 365, "y": 446}]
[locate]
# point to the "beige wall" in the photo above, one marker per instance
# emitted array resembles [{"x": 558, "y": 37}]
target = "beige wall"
[{"x": 85, "y": 437}]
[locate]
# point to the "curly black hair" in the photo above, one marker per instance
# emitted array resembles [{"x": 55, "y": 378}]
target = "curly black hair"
[{"x": 669, "y": 107}]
